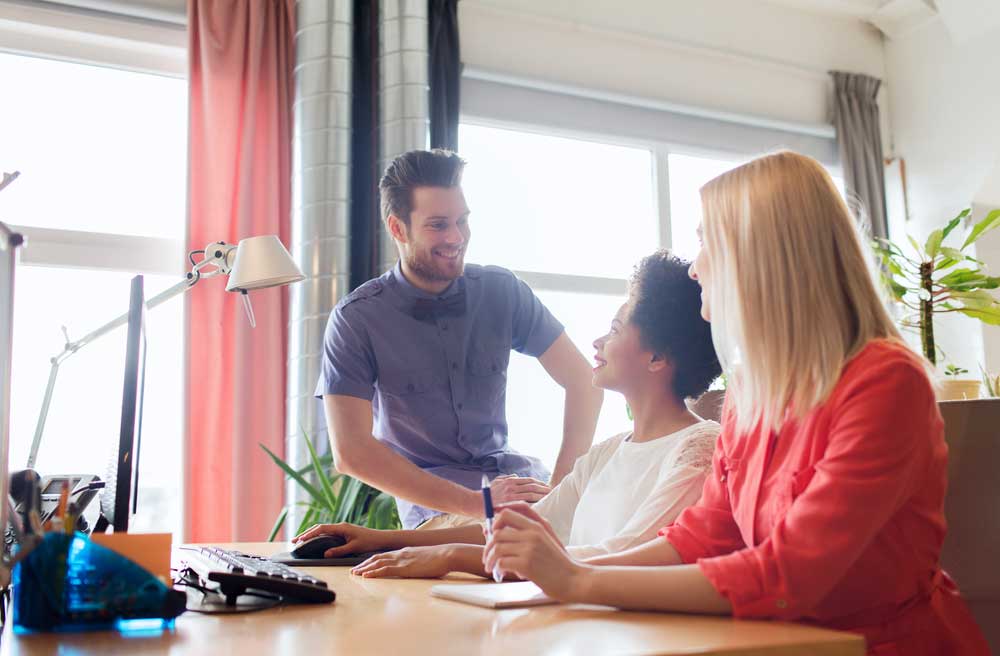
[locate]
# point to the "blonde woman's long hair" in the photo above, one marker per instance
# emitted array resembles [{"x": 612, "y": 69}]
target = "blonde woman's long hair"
[{"x": 792, "y": 293}]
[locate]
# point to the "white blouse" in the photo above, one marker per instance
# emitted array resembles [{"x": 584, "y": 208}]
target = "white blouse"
[{"x": 620, "y": 493}]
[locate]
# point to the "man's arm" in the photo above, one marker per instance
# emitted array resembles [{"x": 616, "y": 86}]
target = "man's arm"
[
  {"x": 357, "y": 453},
  {"x": 567, "y": 366}
]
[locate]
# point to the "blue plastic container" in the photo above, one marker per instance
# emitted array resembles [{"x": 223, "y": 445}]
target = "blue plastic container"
[{"x": 68, "y": 583}]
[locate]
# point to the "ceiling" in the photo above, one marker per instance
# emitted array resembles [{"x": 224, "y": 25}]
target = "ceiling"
[{"x": 860, "y": 9}]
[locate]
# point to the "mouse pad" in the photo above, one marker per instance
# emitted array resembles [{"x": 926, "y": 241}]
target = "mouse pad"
[{"x": 287, "y": 558}]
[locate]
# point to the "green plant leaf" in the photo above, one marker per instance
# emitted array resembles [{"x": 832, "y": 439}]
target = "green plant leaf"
[
  {"x": 990, "y": 384},
  {"x": 933, "y": 243},
  {"x": 324, "y": 481},
  {"x": 952, "y": 256},
  {"x": 278, "y": 523},
  {"x": 991, "y": 221},
  {"x": 381, "y": 514},
  {"x": 953, "y": 253},
  {"x": 953, "y": 370},
  {"x": 954, "y": 222},
  {"x": 990, "y": 316},
  {"x": 890, "y": 263},
  {"x": 960, "y": 277},
  {"x": 326, "y": 460},
  {"x": 308, "y": 519},
  {"x": 898, "y": 290},
  {"x": 348, "y": 497},
  {"x": 298, "y": 478},
  {"x": 978, "y": 300},
  {"x": 945, "y": 263},
  {"x": 916, "y": 246},
  {"x": 981, "y": 282}
]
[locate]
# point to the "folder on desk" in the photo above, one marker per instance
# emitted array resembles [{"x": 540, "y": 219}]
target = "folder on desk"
[{"x": 495, "y": 595}]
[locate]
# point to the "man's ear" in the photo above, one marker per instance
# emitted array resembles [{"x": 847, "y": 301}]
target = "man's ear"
[
  {"x": 657, "y": 362},
  {"x": 397, "y": 229}
]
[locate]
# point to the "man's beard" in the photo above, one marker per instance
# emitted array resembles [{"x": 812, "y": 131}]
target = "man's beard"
[{"x": 423, "y": 265}]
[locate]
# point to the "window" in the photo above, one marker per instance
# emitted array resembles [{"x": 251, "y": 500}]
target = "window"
[
  {"x": 687, "y": 174},
  {"x": 103, "y": 158},
  {"x": 572, "y": 216},
  {"x": 557, "y": 205}
]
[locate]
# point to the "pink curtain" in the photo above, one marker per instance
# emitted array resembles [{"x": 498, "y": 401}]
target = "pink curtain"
[{"x": 241, "y": 57}]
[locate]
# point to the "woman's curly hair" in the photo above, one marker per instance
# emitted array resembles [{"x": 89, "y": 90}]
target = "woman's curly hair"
[{"x": 666, "y": 308}]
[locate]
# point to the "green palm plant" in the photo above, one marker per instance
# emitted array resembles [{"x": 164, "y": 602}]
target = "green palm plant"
[
  {"x": 334, "y": 497},
  {"x": 938, "y": 279}
]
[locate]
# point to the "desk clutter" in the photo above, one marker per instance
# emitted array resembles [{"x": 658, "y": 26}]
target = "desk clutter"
[
  {"x": 69, "y": 582},
  {"x": 65, "y": 579}
]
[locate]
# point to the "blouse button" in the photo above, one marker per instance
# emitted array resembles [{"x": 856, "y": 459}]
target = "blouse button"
[{"x": 781, "y": 603}]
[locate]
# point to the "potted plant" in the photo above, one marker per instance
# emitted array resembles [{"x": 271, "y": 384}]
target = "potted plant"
[
  {"x": 334, "y": 497},
  {"x": 955, "y": 388},
  {"x": 938, "y": 279}
]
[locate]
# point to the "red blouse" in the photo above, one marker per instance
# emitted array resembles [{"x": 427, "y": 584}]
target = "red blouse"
[{"x": 838, "y": 519}]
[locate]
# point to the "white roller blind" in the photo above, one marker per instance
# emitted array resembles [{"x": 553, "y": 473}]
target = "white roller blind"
[{"x": 521, "y": 105}]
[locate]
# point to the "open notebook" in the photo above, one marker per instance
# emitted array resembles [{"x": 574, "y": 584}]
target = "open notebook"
[{"x": 495, "y": 595}]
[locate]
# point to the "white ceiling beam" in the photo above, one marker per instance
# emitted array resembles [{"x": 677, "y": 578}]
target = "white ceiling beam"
[{"x": 896, "y": 18}]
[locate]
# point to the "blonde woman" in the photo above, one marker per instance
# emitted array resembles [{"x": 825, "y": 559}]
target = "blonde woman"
[{"x": 826, "y": 500}]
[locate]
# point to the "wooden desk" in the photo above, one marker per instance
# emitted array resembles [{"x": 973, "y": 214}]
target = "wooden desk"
[{"x": 386, "y": 616}]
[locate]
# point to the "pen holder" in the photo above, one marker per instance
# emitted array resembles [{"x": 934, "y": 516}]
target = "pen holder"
[{"x": 70, "y": 583}]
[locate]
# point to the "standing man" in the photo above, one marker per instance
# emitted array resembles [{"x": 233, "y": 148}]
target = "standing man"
[{"x": 414, "y": 368}]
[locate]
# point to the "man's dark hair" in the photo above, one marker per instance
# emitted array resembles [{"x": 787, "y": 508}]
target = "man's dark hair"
[
  {"x": 666, "y": 308},
  {"x": 417, "y": 168}
]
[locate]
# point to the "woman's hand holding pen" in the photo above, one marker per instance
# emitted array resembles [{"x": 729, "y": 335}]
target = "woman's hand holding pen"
[
  {"x": 524, "y": 544},
  {"x": 508, "y": 489}
]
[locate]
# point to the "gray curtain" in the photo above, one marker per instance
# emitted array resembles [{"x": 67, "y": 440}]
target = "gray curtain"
[
  {"x": 859, "y": 137},
  {"x": 445, "y": 72}
]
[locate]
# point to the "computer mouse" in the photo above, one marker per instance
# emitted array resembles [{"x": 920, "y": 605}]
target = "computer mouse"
[{"x": 316, "y": 547}]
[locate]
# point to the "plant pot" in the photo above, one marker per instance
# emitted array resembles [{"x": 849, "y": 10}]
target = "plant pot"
[{"x": 958, "y": 389}]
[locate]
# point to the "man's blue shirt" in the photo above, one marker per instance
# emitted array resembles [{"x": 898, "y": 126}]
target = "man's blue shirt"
[{"x": 438, "y": 385}]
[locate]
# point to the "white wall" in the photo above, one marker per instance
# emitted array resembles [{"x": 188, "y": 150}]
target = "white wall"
[
  {"x": 752, "y": 58},
  {"x": 943, "y": 99}
]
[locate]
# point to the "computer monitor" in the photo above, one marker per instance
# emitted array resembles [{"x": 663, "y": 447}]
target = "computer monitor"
[{"x": 122, "y": 490}]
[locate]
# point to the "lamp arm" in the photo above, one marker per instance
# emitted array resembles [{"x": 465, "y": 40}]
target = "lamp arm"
[{"x": 70, "y": 348}]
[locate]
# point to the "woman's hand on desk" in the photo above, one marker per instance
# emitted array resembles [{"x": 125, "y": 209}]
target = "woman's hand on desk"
[
  {"x": 411, "y": 562},
  {"x": 524, "y": 544},
  {"x": 357, "y": 539},
  {"x": 508, "y": 489}
]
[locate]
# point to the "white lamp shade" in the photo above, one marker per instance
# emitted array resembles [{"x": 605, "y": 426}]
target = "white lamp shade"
[{"x": 262, "y": 262}]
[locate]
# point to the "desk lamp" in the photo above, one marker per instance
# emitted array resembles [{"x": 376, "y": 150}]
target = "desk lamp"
[{"x": 256, "y": 263}]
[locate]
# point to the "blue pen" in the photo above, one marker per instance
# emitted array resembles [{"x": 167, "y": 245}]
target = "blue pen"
[{"x": 488, "y": 505}]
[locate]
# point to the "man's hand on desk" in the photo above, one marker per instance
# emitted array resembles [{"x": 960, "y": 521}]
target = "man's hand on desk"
[
  {"x": 508, "y": 489},
  {"x": 358, "y": 538}
]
